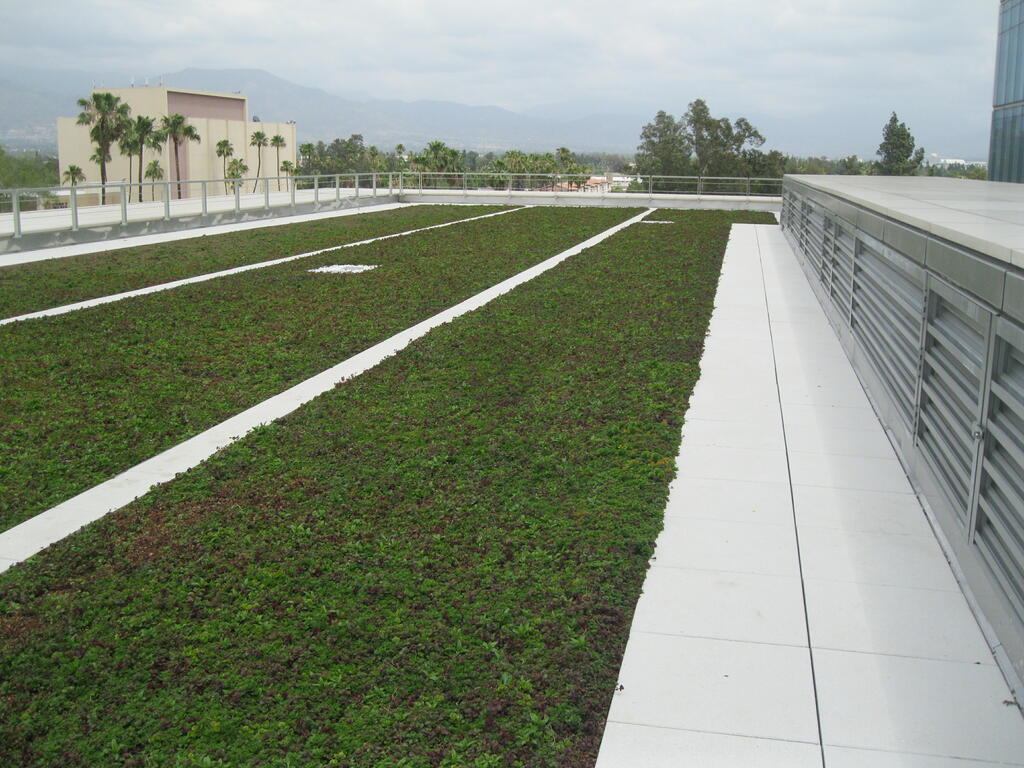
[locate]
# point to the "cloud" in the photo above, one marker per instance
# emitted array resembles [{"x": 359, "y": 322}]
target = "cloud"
[{"x": 787, "y": 58}]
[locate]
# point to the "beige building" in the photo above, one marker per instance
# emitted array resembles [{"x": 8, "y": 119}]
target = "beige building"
[{"x": 215, "y": 116}]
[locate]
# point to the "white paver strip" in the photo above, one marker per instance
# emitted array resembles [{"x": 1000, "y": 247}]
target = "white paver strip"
[
  {"x": 344, "y": 269},
  {"x": 109, "y": 215},
  {"x": 797, "y": 559},
  {"x": 31, "y": 536},
  {"x": 96, "y": 246},
  {"x": 233, "y": 271}
]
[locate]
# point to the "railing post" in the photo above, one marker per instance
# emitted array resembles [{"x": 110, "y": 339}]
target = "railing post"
[
  {"x": 74, "y": 209},
  {"x": 464, "y": 192},
  {"x": 316, "y": 191},
  {"x": 748, "y": 186},
  {"x": 700, "y": 185},
  {"x": 401, "y": 184},
  {"x": 124, "y": 207},
  {"x": 357, "y": 185},
  {"x": 16, "y": 210},
  {"x": 337, "y": 188},
  {"x": 373, "y": 178},
  {"x": 421, "y": 182},
  {"x": 291, "y": 187},
  {"x": 650, "y": 186},
  {"x": 266, "y": 194},
  {"x": 206, "y": 208},
  {"x": 167, "y": 201}
]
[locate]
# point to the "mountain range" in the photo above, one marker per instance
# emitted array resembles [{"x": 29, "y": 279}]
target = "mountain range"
[{"x": 32, "y": 99}]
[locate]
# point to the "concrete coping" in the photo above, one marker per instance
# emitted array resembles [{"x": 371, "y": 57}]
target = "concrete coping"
[{"x": 982, "y": 216}]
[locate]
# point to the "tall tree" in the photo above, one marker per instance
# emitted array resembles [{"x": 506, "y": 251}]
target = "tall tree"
[
  {"x": 106, "y": 115},
  {"x": 146, "y": 137},
  {"x": 664, "y": 147},
  {"x": 224, "y": 151},
  {"x": 899, "y": 158},
  {"x": 173, "y": 128},
  {"x": 126, "y": 146},
  {"x": 277, "y": 142},
  {"x": 718, "y": 145},
  {"x": 259, "y": 140}
]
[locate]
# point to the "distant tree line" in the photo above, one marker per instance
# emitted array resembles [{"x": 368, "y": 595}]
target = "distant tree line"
[
  {"x": 696, "y": 144},
  {"x": 351, "y": 155},
  {"x": 27, "y": 169},
  {"x": 699, "y": 144}
]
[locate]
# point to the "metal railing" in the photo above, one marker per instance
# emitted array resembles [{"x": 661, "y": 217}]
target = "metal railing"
[{"x": 48, "y": 209}]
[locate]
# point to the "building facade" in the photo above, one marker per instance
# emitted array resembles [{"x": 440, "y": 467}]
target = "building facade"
[
  {"x": 1006, "y": 144},
  {"x": 215, "y": 116}
]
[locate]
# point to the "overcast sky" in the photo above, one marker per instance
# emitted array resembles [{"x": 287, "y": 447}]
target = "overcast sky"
[{"x": 780, "y": 60}]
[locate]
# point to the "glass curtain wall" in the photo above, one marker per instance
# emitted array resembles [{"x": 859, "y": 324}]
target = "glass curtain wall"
[{"x": 1006, "y": 144}]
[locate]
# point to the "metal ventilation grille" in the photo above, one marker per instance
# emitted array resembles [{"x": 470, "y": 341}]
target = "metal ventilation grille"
[
  {"x": 814, "y": 231},
  {"x": 887, "y": 313},
  {"x": 956, "y": 337},
  {"x": 821, "y": 258},
  {"x": 840, "y": 285},
  {"x": 1000, "y": 525}
]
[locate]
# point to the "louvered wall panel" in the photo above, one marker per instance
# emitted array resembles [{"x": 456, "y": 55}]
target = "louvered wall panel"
[
  {"x": 888, "y": 302},
  {"x": 956, "y": 342},
  {"x": 840, "y": 284},
  {"x": 1000, "y": 524}
]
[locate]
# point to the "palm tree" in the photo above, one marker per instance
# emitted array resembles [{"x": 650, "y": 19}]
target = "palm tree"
[
  {"x": 126, "y": 145},
  {"x": 259, "y": 140},
  {"x": 106, "y": 117},
  {"x": 224, "y": 151},
  {"x": 174, "y": 128},
  {"x": 154, "y": 173},
  {"x": 306, "y": 152},
  {"x": 100, "y": 160},
  {"x": 73, "y": 175},
  {"x": 277, "y": 142},
  {"x": 146, "y": 137}
]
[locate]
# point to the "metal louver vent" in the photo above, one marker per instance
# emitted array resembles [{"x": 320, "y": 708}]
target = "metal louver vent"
[
  {"x": 1000, "y": 524},
  {"x": 840, "y": 285},
  {"x": 955, "y": 346},
  {"x": 888, "y": 299}
]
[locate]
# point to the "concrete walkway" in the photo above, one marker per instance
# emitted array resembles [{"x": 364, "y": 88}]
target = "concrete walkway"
[
  {"x": 799, "y": 610},
  {"x": 133, "y": 241},
  {"x": 52, "y": 219}
]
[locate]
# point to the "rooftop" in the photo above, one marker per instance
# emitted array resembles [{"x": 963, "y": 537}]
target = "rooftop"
[{"x": 984, "y": 216}]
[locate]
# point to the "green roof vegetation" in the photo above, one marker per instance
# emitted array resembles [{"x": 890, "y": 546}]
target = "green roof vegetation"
[{"x": 434, "y": 564}]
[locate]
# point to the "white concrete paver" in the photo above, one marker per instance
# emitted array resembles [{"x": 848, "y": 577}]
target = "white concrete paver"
[
  {"x": 88, "y": 303},
  {"x": 799, "y": 610},
  {"x": 27, "y": 538},
  {"x": 96, "y": 246}
]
